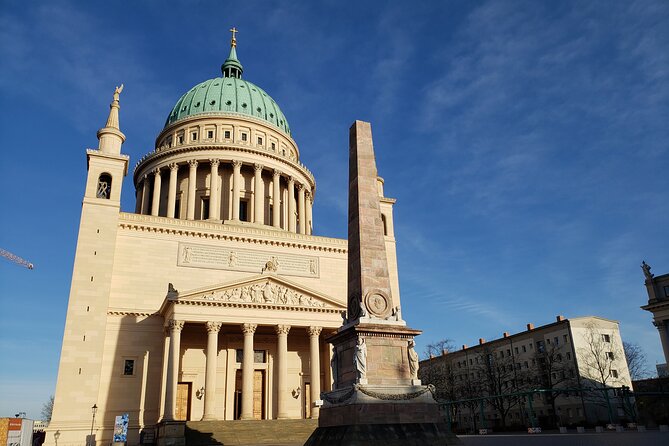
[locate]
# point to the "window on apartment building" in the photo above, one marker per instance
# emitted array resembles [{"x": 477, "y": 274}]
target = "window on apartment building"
[
  {"x": 614, "y": 373},
  {"x": 666, "y": 291},
  {"x": 526, "y": 364},
  {"x": 541, "y": 347},
  {"x": 515, "y": 349},
  {"x": 524, "y": 349},
  {"x": 548, "y": 341},
  {"x": 609, "y": 355},
  {"x": 531, "y": 346},
  {"x": 556, "y": 340},
  {"x": 508, "y": 352},
  {"x": 606, "y": 338},
  {"x": 565, "y": 338}
]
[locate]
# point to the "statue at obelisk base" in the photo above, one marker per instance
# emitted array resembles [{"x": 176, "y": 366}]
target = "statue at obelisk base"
[{"x": 377, "y": 398}]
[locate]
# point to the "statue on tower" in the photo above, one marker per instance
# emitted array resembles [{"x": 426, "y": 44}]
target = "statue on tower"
[
  {"x": 117, "y": 92},
  {"x": 646, "y": 270}
]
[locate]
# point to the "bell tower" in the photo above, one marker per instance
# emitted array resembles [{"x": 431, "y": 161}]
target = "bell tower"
[{"x": 85, "y": 326}]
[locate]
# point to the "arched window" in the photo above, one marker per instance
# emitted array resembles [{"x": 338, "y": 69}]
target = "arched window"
[{"x": 104, "y": 186}]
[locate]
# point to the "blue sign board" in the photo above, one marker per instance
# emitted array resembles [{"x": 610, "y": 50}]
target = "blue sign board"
[{"x": 121, "y": 428}]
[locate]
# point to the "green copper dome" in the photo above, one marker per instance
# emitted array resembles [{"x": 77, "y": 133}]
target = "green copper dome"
[{"x": 229, "y": 94}]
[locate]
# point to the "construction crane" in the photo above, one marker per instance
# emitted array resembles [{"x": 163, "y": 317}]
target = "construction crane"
[{"x": 16, "y": 259}]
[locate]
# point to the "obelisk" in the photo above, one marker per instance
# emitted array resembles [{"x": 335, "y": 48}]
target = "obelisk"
[{"x": 377, "y": 398}]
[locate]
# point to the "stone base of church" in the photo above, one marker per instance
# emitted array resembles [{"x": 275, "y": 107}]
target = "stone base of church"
[
  {"x": 381, "y": 415},
  {"x": 171, "y": 433}
]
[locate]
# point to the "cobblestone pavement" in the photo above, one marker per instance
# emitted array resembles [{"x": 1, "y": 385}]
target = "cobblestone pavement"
[{"x": 649, "y": 438}]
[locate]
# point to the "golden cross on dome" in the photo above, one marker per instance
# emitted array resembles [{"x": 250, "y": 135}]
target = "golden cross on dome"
[{"x": 234, "y": 31}]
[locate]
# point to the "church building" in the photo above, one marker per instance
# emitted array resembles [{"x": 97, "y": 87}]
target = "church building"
[{"x": 212, "y": 299}]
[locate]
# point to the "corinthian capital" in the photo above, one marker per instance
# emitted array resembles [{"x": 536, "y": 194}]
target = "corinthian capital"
[
  {"x": 314, "y": 331},
  {"x": 174, "y": 167},
  {"x": 282, "y": 329},
  {"x": 249, "y": 328},
  {"x": 175, "y": 325},
  {"x": 258, "y": 167},
  {"x": 213, "y": 327},
  {"x": 192, "y": 164},
  {"x": 214, "y": 162},
  {"x": 277, "y": 173},
  {"x": 236, "y": 164}
]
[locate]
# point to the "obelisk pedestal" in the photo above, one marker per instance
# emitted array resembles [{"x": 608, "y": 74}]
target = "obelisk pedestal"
[{"x": 377, "y": 398}]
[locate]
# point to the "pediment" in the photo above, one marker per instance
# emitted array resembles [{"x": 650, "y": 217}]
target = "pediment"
[{"x": 260, "y": 290}]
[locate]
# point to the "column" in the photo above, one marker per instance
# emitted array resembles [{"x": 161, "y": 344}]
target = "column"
[
  {"x": 145, "y": 195},
  {"x": 315, "y": 368},
  {"x": 155, "y": 205},
  {"x": 192, "y": 174},
  {"x": 247, "y": 372},
  {"x": 236, "y": 183},
  {"x": 664, "y": 338},
  {"x": 291, "y": 204},
  {"x": 276, "y": 199},
  {"x": 172, "y": 191},
  {"x": 301, "y": 214},
  {"x": 214, "y": 195},
  {"x": 175, "y": 328},
  {"x": 258, "y": 208},
  {"x": 210, "y": 372},
  {"x": 310, "y": 222},
  {"x": 282, "y": 393}
]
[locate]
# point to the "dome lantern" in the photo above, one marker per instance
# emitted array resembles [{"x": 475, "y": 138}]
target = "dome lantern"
[{"x": 232, "y": 67}]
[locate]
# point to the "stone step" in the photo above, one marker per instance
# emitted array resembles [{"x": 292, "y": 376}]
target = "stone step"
[{"x": 249, "y": 432}]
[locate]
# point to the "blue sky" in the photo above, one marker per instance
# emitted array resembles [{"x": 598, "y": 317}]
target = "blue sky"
[{"x": 526, "y": 142}]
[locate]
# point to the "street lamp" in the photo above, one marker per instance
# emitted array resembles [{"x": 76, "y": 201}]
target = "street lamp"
[
  {"x": 56, "y": 436},
  {"x": 94, "y": 409}
]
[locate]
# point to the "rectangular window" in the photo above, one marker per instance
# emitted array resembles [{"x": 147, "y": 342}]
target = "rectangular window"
[
  {"x": 193, "y": 136},
  {"x": 556, "y": 341},
  {"x": 565, "y": 338},
  {"x": 226, "y": 134},
  {"x": 129, "y": 367},
  {"x": 666, "y": 291},
  {"x": 259, "y": 356},
  {"x": 274, "y": 148},
  {"x": 181, "y": 139},
  {"x": 606, "y": 338},
  {"x": 540, "y": 346},
  {"x": 245, "y": 137},
  {"x": 210, "y": 134},
  {"x": 609, "y": 355},
  {"x": 548, "y": 341},
  {"x": 516, "y": 349},
  {"x": 531, "y": 346},
  {"x": 243, "y": 210},
  {"x": 508, "y": 352},
  {"x": 614, "y": 373},
  {"x": 259, "y": 141},
  {"x": 526, "y": 365},
  {"x": 524, "y": 349}
]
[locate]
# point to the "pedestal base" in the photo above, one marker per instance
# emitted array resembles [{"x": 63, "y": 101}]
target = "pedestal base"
[
  {"x": 171, "y": 433},
  {"x": 381, "y": 415}
]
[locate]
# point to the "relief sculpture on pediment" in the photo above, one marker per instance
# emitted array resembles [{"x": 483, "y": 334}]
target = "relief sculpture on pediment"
[{"x": 265, "y": 293}]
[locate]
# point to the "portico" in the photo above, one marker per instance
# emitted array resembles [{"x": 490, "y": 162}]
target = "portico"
[{"x": 268, "y": 367}]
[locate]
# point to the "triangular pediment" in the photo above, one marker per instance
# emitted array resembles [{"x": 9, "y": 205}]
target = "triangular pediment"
[{"x": 259, "y": 290}]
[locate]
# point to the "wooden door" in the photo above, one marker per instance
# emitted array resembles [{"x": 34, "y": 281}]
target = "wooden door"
[
  {"x": 307, "y": 400},
  {"x": 258, "y": 394},
  {"x": 182, "y": 410}
]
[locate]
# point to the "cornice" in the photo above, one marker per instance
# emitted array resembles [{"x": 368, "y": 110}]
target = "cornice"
[
  {"x": 200, "y": 229},
  {"x": 121, "y": 312},
  {"x": 218, "y": 303},
  {"x": 188, "y": 148}
]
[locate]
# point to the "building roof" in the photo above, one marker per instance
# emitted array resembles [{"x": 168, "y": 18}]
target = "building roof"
[{"x": 229, "y": 94}]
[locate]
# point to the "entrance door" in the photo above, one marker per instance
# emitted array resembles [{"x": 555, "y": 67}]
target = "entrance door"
[
  {"x": 258, "y": 395},
  {"x": 182, "y": 412},
  {"x": 307, "y": 400}
]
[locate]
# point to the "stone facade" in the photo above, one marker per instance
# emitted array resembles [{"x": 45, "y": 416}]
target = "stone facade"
[
  {"x": 657, "y": 288},
  {"x": 212, "y": 300}
]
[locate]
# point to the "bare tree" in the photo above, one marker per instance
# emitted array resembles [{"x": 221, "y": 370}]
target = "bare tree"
[
  {"x": 438, "y": 348},
  {"x": 599, "y": 357},
  {"x": 636, "y": 361},
  {"x": 554, "y": 371},
  {"x": 47, "y": 409}
]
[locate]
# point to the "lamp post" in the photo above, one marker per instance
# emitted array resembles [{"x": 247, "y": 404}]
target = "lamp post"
[
  {"x": 94, "y": 409},
  {"x": 56, "y": 436}
]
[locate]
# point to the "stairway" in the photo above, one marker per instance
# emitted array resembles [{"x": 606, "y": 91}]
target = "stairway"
[{"x": 249, "y": 432}]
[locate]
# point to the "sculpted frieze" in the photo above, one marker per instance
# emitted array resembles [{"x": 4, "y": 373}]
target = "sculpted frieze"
[
  {"x": 264, "y": 293},
  {"x": 206, "y": 256}
]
